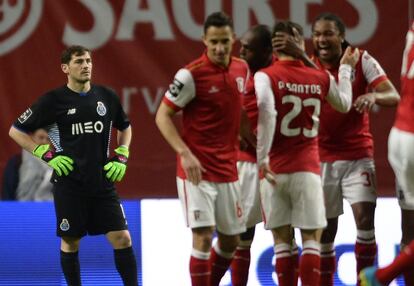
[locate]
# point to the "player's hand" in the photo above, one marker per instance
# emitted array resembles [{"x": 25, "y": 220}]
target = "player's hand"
[
  {"x": 268, "y": 173},
  {"x": 288, "y": 44},
  {"x": 365, "y": 102},
  {"x": 192, "y": 167},
  {"x": 350, "y": 57},
  {"x": 117, "y": 166},
  {"x": 60, "y": 163}
]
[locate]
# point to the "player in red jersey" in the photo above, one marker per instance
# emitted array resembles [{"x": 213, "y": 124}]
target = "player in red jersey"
[
  {"x": 209, "y": 91},
  {"x": 289, "y": 96},
  {"x": 401, "y": 157},
  {"x": 346, "y": 145},
  {"x": 256, "y": 49}
]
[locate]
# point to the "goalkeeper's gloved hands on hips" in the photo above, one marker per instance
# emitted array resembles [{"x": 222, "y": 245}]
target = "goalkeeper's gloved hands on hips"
[
  {"x": 60, "y": 163},
  {"x": 116, "y": 167}
]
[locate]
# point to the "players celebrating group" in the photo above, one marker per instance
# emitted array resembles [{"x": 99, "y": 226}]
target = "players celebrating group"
[{"x": 304, "y": 145}]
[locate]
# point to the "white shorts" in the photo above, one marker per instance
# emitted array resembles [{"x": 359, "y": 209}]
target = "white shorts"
[
  {"x": 354, "y": 181},
  {"x": 297, "y": 200},
  {"x": 250, "y": 195},
  {"x": 212, "y": 204},
  {"x": 401, "y": 157}
]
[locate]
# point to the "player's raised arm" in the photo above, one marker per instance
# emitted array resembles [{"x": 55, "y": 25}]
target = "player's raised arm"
[{"x": 340, "y": 96}]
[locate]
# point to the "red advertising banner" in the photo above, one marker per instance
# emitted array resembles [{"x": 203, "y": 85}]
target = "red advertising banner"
[{"x": 139, "y": 45}]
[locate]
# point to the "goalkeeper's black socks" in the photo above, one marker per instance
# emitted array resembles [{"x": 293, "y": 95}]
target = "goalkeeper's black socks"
[
  {"x": 71, "y": 268},
  {"x": 126, "y": 265}
]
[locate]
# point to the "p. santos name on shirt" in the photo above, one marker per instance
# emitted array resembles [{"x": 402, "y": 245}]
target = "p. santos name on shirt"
[{"x": 300, "y": 88}]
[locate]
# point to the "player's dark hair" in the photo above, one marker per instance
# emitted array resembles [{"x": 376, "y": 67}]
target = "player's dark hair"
[
  {"x": 264, "y": 35},
  {"x": 288, "y": 27},
  {"x": 339, "y": 23},
  {"x": 218, "y": 19},
  {"x": 72, "y": 50}
]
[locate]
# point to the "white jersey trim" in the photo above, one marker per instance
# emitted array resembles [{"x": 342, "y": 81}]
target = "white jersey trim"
[{"x": 371, "y": 68}]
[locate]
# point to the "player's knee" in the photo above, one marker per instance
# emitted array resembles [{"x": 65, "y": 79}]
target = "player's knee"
[
  {"x": 69, "y": 244},
  {"x": 202, "y": 238},
  {"x": 228, "y": 243},
  {"x": 120, "y": 239},
  {"x": 364, "y": 222},
  {"x": 328, "y": 235}
]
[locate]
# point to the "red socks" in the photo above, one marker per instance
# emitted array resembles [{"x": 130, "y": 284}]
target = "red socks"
[
  {"x": 284, "y": 264},
  {"x": 240, "y": 267},
  {"x": 309, "y": 265},
  {"x": 328, "y": 264},
  {"x": 404, "y": 262},
  {"x": 200, "y": 268},
  {"x": 219, "y": 263},
  {"x": 365, "y": 250}
]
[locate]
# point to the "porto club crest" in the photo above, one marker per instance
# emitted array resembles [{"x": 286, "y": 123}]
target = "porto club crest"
[{"x": 100, "y": 108}]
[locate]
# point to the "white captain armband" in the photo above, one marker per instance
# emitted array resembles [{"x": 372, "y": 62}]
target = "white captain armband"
[{"x": 182, "y": 90}]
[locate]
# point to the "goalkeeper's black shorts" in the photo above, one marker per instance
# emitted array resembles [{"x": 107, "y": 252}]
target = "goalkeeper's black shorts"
[{"x": 78, "y": 215}]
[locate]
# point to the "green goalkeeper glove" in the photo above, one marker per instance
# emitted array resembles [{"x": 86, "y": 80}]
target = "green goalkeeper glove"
[
  {"x": 116, "y": 167},
  {"x": 61, "y": 164}
]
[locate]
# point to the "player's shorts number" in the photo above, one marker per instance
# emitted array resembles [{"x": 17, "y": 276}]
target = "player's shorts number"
[{"x": 298, "y": 105}]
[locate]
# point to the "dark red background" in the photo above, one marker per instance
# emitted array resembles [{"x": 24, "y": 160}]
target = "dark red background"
[{"x": 145, "y": 62}]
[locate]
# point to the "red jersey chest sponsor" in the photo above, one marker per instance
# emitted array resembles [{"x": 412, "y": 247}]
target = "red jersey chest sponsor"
[
  {"x": 299, "y": 92},
  {"x": 211, "y": 120}
]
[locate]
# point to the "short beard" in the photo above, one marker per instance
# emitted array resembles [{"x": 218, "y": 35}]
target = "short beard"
[{"x": 82, "y": 81}]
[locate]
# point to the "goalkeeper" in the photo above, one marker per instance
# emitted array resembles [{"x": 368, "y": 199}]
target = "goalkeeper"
[{"x": 79, "y": 117}]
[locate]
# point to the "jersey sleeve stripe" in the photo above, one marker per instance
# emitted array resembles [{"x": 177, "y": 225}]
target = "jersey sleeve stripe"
[
  {"x": 171, "y": 104},
  {"x": 377, "y": 81}
]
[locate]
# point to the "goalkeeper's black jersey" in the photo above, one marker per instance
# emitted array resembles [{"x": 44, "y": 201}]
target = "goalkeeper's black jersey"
[{"x": 79, "y": 126}]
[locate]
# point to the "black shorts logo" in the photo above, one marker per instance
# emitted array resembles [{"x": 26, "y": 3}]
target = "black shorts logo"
[
  {"x": 175, "y": 87},
  {"x": 64, "y": 225}
]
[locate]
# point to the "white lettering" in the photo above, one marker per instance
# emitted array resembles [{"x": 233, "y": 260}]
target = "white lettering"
[
  {"x": 126, "y": 97},
  {"x": 361, "y": 33},
  {"x": 368, "y": 21},
  {"x": 156, "y": 14},
  {"x": 152, "y": 104},
  {"x": 182, "y": 13},
  {"x": 241, "y": 14},
  {"x": 98, "y": 126},
  {"x": 100, "y": 32},
  {"x": 299, "y": 14}
]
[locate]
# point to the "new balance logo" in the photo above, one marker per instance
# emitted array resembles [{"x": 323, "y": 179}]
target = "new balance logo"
[
  {"x": 71, "y": 111},
  {"x": 87, "y": 127},
  {"x": 213, "y": 89}
]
